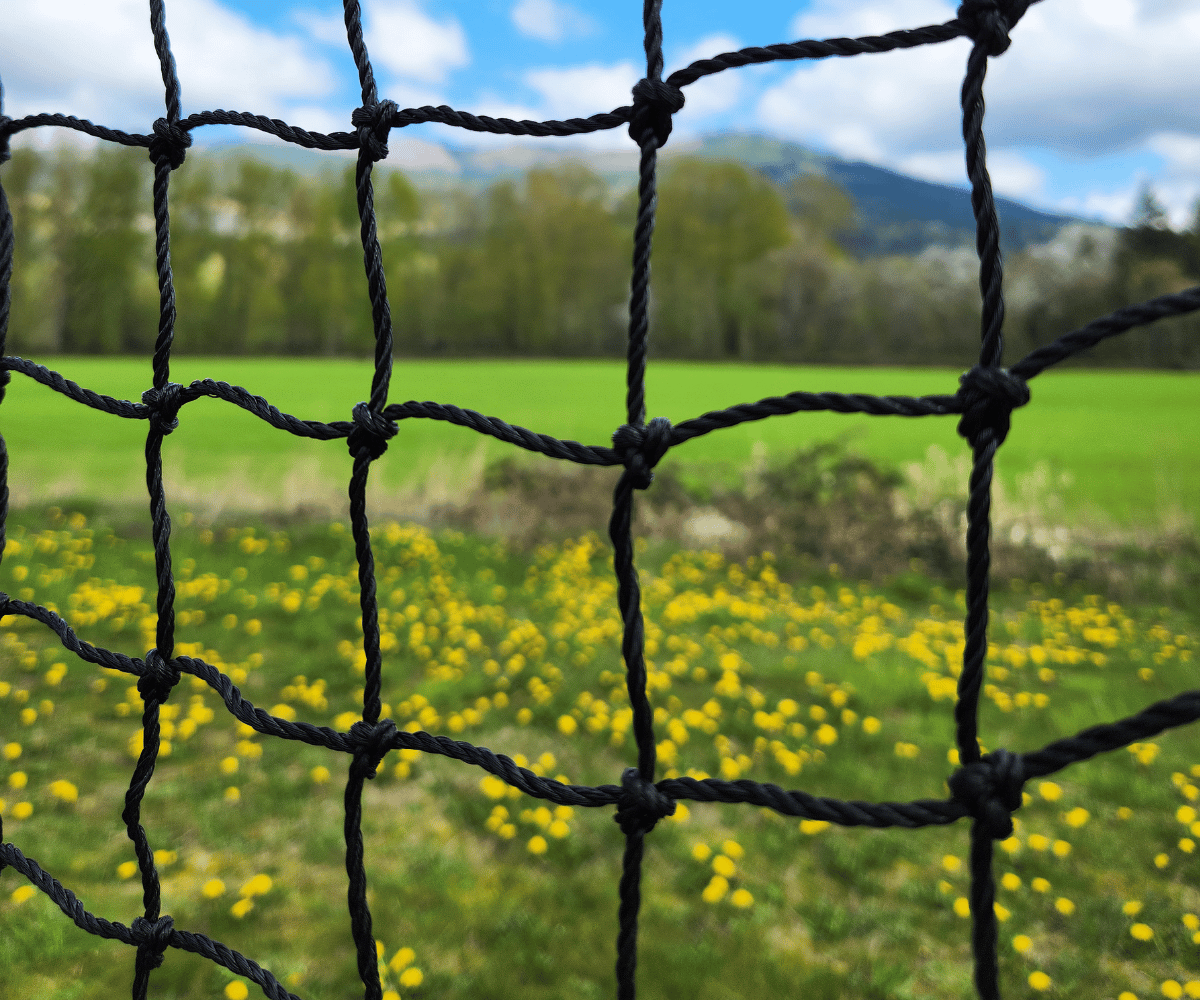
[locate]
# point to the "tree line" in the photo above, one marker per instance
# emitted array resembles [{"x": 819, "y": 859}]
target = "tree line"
[{"x": 268, "y": 261}]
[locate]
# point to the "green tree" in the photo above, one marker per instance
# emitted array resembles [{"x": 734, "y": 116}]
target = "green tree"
[
  {"x": 109, "y": 288},
  {"x": 716, "y": 221}
]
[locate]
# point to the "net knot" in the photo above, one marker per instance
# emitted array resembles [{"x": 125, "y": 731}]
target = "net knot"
[
  {"x": 641, "y": 804},
  {"x": 989, "y": 395},
  {"x": 654, "y": 102},
  {"x": 373, "y": 741},
  {"x": 988, "y": 22},
  {"x": 5, "y": 152},
  {"x": 991, "y": 789},
  {"x": 641, "y": 448},
  {"x": 170, "y": 142},
  {"x": 371, "y": 432},
  {"x": 160, "y": 677},
  {"x": 164, "y": 406},
  {"x": 154, "y": 937},
  {"x": 374, "y": 122}
]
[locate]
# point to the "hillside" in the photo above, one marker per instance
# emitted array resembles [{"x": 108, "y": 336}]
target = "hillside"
[{"x": 896, "y": 213}]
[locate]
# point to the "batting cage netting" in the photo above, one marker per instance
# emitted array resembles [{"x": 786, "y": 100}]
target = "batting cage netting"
[{"x": 986, "y": 787}]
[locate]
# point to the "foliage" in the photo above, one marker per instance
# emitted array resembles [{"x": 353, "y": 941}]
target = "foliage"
[{"x": 267, "y": 261}]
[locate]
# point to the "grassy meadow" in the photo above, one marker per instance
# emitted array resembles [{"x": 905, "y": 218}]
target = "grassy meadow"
[
  {"x": 1115, "y": 447},
  {"x": 837, "y": 688},
  {"x": 833, "y": 686}
]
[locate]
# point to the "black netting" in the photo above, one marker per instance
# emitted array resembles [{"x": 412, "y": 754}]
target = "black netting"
[{"x": 987, "y": 788}]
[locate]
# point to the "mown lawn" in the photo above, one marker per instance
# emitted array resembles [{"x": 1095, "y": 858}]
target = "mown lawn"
[
  {"x": 1118, "y": 446},
  {"x": 827, "y": 686}
]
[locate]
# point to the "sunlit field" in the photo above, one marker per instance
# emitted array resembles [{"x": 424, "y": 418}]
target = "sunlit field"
[
  {"x": 1103, "y": 446},
  {"x": 478, "y": 891}
]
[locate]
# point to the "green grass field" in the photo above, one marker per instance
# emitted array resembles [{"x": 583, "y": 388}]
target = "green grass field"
[
  {"x": 1116, "y": 446},
  {"x": 828, "y": 686},
  {"x": 839, "y": 690}
]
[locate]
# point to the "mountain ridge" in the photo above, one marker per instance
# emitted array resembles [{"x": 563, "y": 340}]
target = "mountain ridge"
[{"x": 897, "y": 213}]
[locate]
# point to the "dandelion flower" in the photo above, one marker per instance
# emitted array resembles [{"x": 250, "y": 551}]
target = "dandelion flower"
[
  {"x": 1049, "y": 791},
  {"x": 402, "y": 959},
  {"x": 962, "y": 906},
  {"x": 701, "y": 852},
  {"x": 1022, "y": 943},
  {"x": 236, "y": 990},
  {"x": 1162, "y": 860},
  {"x": 1061, "y": 848},
  {"x": 1185, "y": 814},
  {"x": 213, "y": 888},
  {"x": 64, "y": 791},
  {"x": 1039, "y": 980},
  {"x": 558, "y": 829},
  {"x": 1132, "y": 908},
  {"x": 229, "y": 765},
  {"x": 411, "y": 978},
  {"x": 1039, "y": 885},
  {"x": 1064, "y": 906},
  {"x": 742, "y": 899},
  {"x": 242, "y": 907},
  {"x": 1143, "y": 932},
  {"x": 127, "y": 869},
  {"x": 12, "y": 751},
  {"x": 257, "y": 886},
  {"x": 390, "y": 995},
  {"x": 567, "y": 724},
  {"x": 232, "y": 794},
  {"x": 681, "y": 813},
  {"x": 1011, "y": 881},
  {"x": 23, "y": 894},
  {"x": 724, "y": 866},
  {"x": 1038, "y": 842},
  {"x": 23, "y": 810},
  {"x": 1077, "y": 816},
  {"x": 1002, "y": 913},
  {"x": 1170, "y": 988},
  {"x": 715, "y": 891},
  {"x": 493, "y": 787},
  {"x": 18, "y": 780},
  {"x": 319, "y": 774},
  {"x": 951, "y": 863},
  {"x": 537, "y": 844},
  {"x": 733, "y": 849}
]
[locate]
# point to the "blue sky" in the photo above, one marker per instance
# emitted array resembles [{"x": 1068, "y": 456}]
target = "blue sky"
[{"x": 1094, "y": 98}]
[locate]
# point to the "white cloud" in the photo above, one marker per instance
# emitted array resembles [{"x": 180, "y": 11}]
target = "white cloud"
[
  {"x": 839, "y": 19},
  {"x": 1012, "y": 174},
  {"x": 1082, "y": 77},
  {"x": 580, "y": 91},
  {"x": 550, "y": 21},
  {"x": 710, "y": 95},
  {"x": 327, "y": 28},
  {"x": 406, "y": 41},
  {"x": 98, "y": 62}
]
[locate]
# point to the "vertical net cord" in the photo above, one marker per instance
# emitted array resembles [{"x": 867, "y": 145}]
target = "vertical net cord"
[
  {"x": 365, "y": 447},
  {"x": 984, "y": 446},
  {"x": 7, "y": 244},
  {"x": 156, "y": 684},
  {"x": 628, "y": 591}
]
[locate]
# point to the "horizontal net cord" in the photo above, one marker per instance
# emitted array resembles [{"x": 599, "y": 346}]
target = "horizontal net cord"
[
  {"x": 1032, "y": 365},
  {"x": 1154, "y": 719},
  {"x": 985, "y": 787}
]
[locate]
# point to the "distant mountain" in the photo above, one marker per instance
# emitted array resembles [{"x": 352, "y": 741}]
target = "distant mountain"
[{"x": 896, "y": 213}]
